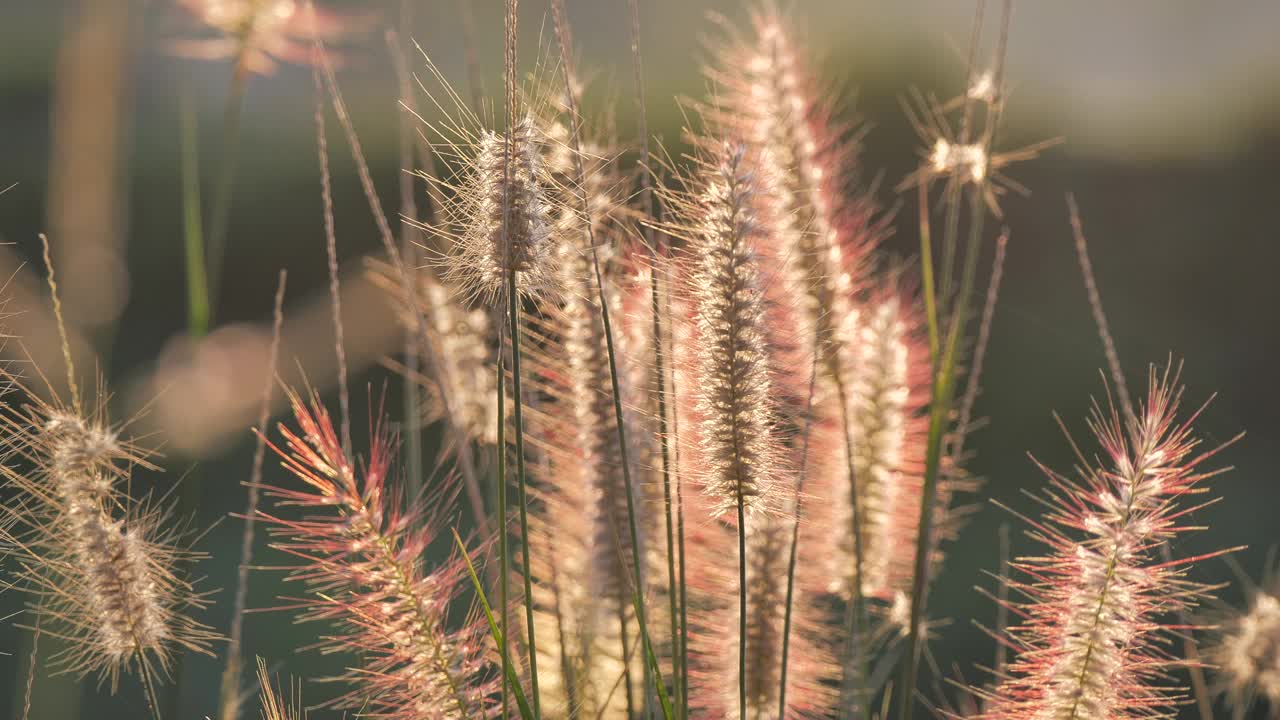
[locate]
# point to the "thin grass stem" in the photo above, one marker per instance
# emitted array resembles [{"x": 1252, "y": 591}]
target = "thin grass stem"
[
  {"x": 942, "y": 390},
  {"x": 511, "y": 681},
  {"x": 409, "y": 257},
  {"x": 973, "y": 382},
  {"x": 927, "y": 275},
  {"x": 149, "y": 693},
  {"x": 1099, "y": 315},
  {"x": 742, "y": 608},
  {"x": 232, "y": 113},
  {"x": 513, "y": 303},
  {"x": 331, "y": 255},
  {"x": 33, "y": 664},
  {"x": 626, "y": 661},
  {"x": 230, "y": 701},
  {"x": 513, "y": 308},
  {"x": 795, "y": 532},
  {"x": 659, "y": 365},
  {"x": 504, "y": 558}
]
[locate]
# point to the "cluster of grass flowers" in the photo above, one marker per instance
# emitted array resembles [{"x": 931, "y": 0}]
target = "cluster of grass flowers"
[
  {"x": 721, "y": 428},
  {"x": 104, "y": 569}
]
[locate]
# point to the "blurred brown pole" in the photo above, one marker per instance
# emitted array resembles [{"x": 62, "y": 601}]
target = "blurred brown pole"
[{"x": 88, "y": 198}]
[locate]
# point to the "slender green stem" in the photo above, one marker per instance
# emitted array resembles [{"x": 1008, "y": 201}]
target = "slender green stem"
[
  {"x": 499, "y": 638},
  {"x": 149, "y": 693},
  {"x": 222, "y": 192},
  {"x": 684, "y": 586},
  {"x": 795, "y": 532},
  {"x": 944, "y": 367},
  {"x": 742, "y": 608},
  {"x": 626, "y": 661},
  {"x": 513, "y": 306},
  {"x": 942, "y": 393},
  {"x": 855, "y": 669},
  {"x": 192, "y": 232},
  {"x": 230, "y": 700},
  {"x": 409, "y": 253},
  {"x": 927, "y": 276},
  {"x": 504, "y": 558},
  {"x": 659, "y": 365}
]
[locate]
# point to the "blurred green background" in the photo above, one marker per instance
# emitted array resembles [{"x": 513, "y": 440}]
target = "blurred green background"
[{"x": 1170, "y": 111}]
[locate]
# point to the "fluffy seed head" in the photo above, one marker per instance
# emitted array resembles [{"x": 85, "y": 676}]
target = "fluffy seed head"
[
  {"x": 731, "y": 382},
  {"x": 260, "y": 33},
  {"x": 101, "y": 562},
  {"x": 967, "y": 161},
  {"x": 818, "y": 232},
  {"x": 484, "y": 253}
]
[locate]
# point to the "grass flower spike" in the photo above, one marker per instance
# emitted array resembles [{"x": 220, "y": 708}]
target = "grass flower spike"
[
  {"x": 816, "y": 230},
  {"x": 464, "y": 359},
  {"x": 483, "y": 254},
  {"x": 1091, "y": 643},
  {"x": 363, "y": 563},
  {"x": 103, "y": 566},
  {"x": 888, "y": 396},
  {"x": 732, "y": 383},
  {"x": 260, "y": 33}
]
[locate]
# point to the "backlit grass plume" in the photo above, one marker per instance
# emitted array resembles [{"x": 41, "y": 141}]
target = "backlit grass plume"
[
  {"x": 363, "y": 555},
  {"x": 819, "y": 232},
  {"x": 1246, "y": 651},
  {"x": 731, "y": 382},
  {"x": 1092, "y": 643},
  {"x": 482, "y": 253},
  {"x": 261, "y": 33},
  {"x": 739, "y": 426},
  {"x": 102, "y": 566},
  {"x": 887, "y": 396}
]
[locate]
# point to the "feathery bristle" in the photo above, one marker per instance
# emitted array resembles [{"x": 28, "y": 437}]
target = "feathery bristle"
[
  {"x": 101, "y": 563},
  {"x": 275, "y": 705},
  {"x": 1090, "y": 643},
  {"x": 484, "y": 251},
  {"x": 363, "y": 562}
]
